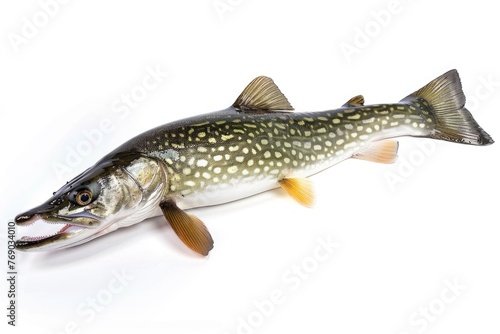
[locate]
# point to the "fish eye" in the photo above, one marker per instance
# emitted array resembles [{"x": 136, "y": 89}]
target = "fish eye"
[
  {"x": 85, "y": 194},
  {"x": 83, "y": 197}
]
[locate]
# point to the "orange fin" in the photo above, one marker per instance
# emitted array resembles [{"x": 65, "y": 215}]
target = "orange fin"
[
  {"x": 385, "y": 152},
  {"x": 192, "y": 232},
  {"x": 300, "y": 189},
  {"x": 357, "y": 101}
]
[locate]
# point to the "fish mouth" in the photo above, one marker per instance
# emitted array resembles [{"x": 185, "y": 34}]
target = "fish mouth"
[{"x": 39, "y": 232}]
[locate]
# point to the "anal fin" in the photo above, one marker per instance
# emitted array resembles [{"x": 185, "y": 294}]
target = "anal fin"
[
  {"x": 300, "y": 189},
  {"x": 385, "y": 151},
  {"x": 191, "y": 230}
]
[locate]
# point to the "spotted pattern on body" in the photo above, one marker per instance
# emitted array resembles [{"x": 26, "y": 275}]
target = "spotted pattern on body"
[
  {"x": 233, "y": 147},
  {"x": 253, "y": 146}
]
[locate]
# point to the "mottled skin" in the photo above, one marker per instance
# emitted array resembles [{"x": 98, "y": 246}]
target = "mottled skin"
[
  {"x": 208, "y": 157},
  {"x": 255, "y": 145}
]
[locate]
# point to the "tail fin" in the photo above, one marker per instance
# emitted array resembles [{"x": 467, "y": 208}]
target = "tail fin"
[{"x": 454, "y": 123}]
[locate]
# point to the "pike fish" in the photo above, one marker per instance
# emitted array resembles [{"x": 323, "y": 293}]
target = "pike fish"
[{"x": 255, "y": 145}]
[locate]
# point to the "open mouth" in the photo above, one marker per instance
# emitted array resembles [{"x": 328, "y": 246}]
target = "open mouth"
[{"x": 39, "y": 232}]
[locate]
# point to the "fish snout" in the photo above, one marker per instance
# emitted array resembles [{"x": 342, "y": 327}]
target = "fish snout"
[
  {"x": 23, "y": 218},
  {"x": 47, "y": 207}
]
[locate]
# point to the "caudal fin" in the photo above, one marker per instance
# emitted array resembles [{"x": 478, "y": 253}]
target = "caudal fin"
[{"x": 446, "y": 102}]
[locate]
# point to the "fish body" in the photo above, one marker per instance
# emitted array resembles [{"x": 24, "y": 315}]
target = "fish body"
[
  {"x": 228, "y": 155},
  {"x": 255, "y": 145}
]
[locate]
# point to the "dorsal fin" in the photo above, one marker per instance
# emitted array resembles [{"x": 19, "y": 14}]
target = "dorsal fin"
[
  {"x": 357, "y": 101},
  {"x": 262, "y": 94}
]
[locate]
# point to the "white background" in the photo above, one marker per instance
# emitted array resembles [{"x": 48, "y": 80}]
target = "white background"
[{"x": 399, "y": 245}]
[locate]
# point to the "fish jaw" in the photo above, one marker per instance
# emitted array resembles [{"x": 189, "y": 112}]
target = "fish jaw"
[
  {"x": 42, "y": 232},
  {"x": 124, "y": 194}
]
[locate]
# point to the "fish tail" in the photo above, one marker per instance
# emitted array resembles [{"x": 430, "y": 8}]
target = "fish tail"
[{"x": 444, "y": 102}]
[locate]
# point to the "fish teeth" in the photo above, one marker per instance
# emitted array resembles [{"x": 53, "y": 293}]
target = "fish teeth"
[
  {"x": 25, "y": 238},
  {"x": 39, "y": 229}
]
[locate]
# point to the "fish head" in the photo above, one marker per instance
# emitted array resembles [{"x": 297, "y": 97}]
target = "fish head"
[{"x": 117, "y": 191}]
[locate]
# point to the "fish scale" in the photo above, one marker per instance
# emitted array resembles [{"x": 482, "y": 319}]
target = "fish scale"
[
  {"x": 232, "y": 148},
  {"x": 255, "y": 145}
]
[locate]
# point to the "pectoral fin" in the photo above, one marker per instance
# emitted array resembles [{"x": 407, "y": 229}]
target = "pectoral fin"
[
  {"x": 300, "y": 189},
  {"x": 188, "y": 228}
]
